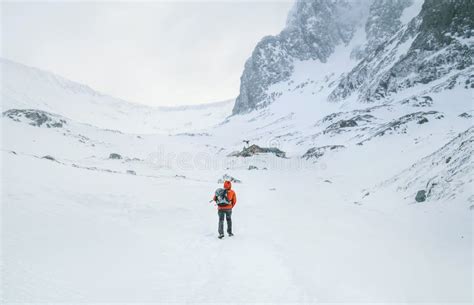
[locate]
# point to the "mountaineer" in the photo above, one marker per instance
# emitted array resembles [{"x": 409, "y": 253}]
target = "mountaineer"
[{"x": 225, "y": 199}]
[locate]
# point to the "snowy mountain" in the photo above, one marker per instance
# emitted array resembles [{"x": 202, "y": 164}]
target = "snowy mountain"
[
  {"x": 436, "y": 45},
  {"x": 314, "y": 29},
  {"x": 380, "y": 71},
  {"x": 369, "y": 48},
  {"x": 30, "y": 88},
  {"x": 350, "y": 148}
]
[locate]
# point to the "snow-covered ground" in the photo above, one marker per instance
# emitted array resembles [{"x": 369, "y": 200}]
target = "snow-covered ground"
[
  {"x": 80, "y": 228},
  {"x": 84, "y": 235},
  {"x": 75, "y": 235},
  {"x": 105, "y": 201}
]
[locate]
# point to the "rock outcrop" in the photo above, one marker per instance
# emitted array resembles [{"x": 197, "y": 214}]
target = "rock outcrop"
[
  {"x": 34, "y": 117},
  {"x": 318, "y": 152},
  {"x": 255, "y": 150}
]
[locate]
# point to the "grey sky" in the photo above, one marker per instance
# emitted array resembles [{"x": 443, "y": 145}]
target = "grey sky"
[{"x": 157, "y": 53}]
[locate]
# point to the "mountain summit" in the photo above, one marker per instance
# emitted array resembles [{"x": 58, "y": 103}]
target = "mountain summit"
[{"x": 371, "y": 48}]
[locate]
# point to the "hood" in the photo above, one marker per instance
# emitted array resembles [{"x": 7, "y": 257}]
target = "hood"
[{"x": 227, "y": 185}]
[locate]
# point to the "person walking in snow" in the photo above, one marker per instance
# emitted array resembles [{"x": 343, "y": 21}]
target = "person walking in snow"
[{"x": 225, "y": 199}]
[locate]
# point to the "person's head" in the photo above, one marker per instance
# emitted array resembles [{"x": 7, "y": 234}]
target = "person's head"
[{"x": 227, "y": 185}]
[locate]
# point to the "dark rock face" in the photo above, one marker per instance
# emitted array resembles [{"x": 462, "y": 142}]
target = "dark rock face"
[
  {"x": 420, "y": 196},
  {"x": 314, "y": 29},
  {"x": 422, "y": 121},
  {"x": 255, "y": 150},
  {"x": 318, "y": 152},
  {"x": 115, "y": 156},
  {"x": 436, "y": 48},
  {"x": 441, "y": 17},
  {"x": 342, "y": 124},
  {"x": 395, "y": 56},
  {"x": 348, "y": 123},
  {"x": 423, "y": 101},
  {"x": 383, "y": 22},
  {"x": 465, "y": 115},
  {"x": 48, "y": 157},
  {"x": 35, "y": 117}
]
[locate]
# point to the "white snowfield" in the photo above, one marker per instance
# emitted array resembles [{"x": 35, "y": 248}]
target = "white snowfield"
[
  {"x": 79, "y": 227},
  {"x": 105, "y": 201}
]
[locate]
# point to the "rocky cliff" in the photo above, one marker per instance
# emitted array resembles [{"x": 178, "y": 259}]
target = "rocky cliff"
[
  {"x": 313, "y": 30},
  {"x": 404, "y": 43}
]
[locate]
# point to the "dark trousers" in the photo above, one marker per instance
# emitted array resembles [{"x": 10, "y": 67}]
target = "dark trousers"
[{"x": 227, "y": 214}]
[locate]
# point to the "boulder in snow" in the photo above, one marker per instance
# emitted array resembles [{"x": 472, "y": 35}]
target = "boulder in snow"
[
  {"x": 115, "y": 156},
  {"x": 35, "y": 117},
  {"x": 48, "y": 157},
  {"x": 423, "y": 121},
  {"x": 465, "y": 115},
  {"x": 420, "y": 196}
]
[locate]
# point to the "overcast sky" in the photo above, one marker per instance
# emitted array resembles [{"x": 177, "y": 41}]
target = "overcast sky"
[{"x": 157, "y": 53}]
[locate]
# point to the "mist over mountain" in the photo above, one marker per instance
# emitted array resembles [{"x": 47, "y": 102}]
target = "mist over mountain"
[{"x": 390, "y": 45}]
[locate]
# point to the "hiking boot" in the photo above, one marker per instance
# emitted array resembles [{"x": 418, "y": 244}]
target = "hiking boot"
[
  {"x": 220, "y": 236},
  {"x": 230, "y": 234}
]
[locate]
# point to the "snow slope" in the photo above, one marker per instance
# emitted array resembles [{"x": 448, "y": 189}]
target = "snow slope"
[
  {"x": 104, "y": 201},
  {"x": 80, "y": 229},
  {"x": 30, "y": 88},
  {"x": 445, "y": 175}
]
